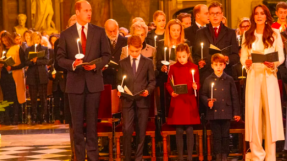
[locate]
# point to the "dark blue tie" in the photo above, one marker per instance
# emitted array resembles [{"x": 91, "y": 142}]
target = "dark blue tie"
[{"x": 134, "y": 66}]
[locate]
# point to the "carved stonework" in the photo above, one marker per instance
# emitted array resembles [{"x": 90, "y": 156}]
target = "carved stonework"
[
  {"x": 20, "y": 29},
  {"x": 42, "y": 13}
]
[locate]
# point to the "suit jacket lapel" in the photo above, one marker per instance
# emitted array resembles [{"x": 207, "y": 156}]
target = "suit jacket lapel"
[
  {"x": 76, "y": 35},
  {"x": 222, "y": 32},
  {"x": 89, "y": 38},
  {"x": 129, "y": 68},
  {"x": 209, "y": 34},
  {"x": 118, "y": 45},
  {"x": 141, "y": 64}
]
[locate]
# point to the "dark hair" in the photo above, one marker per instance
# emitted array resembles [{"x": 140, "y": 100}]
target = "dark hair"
[
  {"x": 183, "y": 15},
  {"x": 184, "y": 47},
  {"x": 53, "y": 35},
  {"x": 267, "y": 38},
  {"x": 218, "y": 58},
  {"x": 135, "y": 41},
  {"x": 9, "y": 38},
  {"x": 281, "y": 5},
  {"x": 215, "y": 4},
  {"x": 15, "y": 34}
]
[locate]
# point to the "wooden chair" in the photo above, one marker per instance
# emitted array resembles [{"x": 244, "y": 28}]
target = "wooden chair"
[
  {"x": 104, "y": 126},
  {"x": 167, "y": 130},
  {"x": 150, "y": 131},
  {"x": 235, "y": 128}
]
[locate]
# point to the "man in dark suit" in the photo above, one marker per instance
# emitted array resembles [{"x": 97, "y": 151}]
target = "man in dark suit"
[
  {"x": 201, "y": 16},
  {"x": 140, "y": 76},
  {"x": 116, "y": 43},
  {"x": 84, "y": 84},
  {"x": 219, "y": 35}
]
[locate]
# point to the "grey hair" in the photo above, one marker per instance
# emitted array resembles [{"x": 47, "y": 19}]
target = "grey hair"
[{"x": 138, "y": 25}]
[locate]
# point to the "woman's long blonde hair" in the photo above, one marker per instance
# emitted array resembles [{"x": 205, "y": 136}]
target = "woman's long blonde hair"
[{"x": 167, "y": 38}]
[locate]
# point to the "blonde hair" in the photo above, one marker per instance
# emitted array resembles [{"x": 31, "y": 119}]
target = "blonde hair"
[
  {"x": 139, "y": 25},
  {"x": 167, "y": 37},
  {"x": 33, "y": 37},
  {"x": 184, "y": 47},
  {"x": 242, "y": 20},
  {"x": 137, "y": 19}
]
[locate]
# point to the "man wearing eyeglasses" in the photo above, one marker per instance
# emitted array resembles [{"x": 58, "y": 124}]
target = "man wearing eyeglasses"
[
  {"x": 217, "y": 34},
  {"x": 281, "y": 13}
]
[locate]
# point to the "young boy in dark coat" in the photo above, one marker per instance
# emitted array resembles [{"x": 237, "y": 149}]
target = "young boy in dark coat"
[{"x": 220, "y": 111}]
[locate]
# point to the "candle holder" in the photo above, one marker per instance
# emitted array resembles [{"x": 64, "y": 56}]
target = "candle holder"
[
  {"x": 212, "y": 99},
  {"x": 79, "y": 55},
  {"x": 164, "y": 62},
  {"x": 242, "y": 77}
]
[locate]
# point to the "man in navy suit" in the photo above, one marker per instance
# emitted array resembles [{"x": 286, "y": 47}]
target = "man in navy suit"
[
  {"x": 84, "y": 84},
  {"x": 140, "y": 76}
]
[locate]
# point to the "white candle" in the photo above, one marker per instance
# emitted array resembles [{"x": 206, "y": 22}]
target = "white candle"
[
  {"x": 212, "y": 84},
  {"x": 280, "y": 29},
  {"x": 165, "y": 48},
  {"x": 3, "y": 53},
  {"x": 35, "y": 47},
  {"x": 78, "y": 44},
  {"x": 242, "y": 70},
  {"x": 155, "y": 41},
  {"x": 201, "y": 50},
  {"x": 238, "y": 38},
  {"x": 123, "y": 80},
  {"x": 192, "y": 71}
]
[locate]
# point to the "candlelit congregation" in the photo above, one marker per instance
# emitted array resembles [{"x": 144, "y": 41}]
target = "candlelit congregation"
[{"x": 143, "y": 80}]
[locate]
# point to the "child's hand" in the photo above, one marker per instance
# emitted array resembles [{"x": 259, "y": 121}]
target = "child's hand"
[
  {"x": 119, "y": 94},
  {"x": 194, "y": 86},
  {"x": 210, "y": 104},
  {"x": 174, "y": 94},
  {"x": 248, "y": 63},
  {"x": 145, "y": 93},
  {"x": 237, "y": 118},
  {"x": 201, "y": 63},
  {"x": 164, "y": 68}
]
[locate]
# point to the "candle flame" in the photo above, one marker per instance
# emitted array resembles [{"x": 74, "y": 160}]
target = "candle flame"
[
  {"x": 155, "y": 37},
  {"x": 192, "y": 71},
  {"x": 124, "y": 76},
  {"x": 78, "y": 40},
  {"x": 165, "y": 48},
  {"x": 201, "y": 44},
  {"x": 212, "y": 84},
  {"x": 243, "y": 67},
  {"x": 174, "y": 46}
]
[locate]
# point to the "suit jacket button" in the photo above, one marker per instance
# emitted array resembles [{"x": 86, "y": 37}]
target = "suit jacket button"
[
  {"x": 215, "y": 89},
  {"x": 222, "y": 99},
  {"x": 222, "y": 89},
  {"x": 222, "y": 110},
  {"x": 215, "y": 110}
]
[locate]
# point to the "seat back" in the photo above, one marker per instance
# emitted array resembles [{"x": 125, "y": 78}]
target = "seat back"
[{"x": 105, "y": 107}]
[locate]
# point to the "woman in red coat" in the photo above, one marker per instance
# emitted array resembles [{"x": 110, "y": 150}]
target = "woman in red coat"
[{"x": 183, "y": 111}]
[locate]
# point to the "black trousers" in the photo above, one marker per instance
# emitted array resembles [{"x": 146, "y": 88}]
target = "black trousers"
[
  {"x": 189, "y": 141},
  {"x": 220, "y": 133},
  {"x": 140, "y": 116},
  {"x": 58, "y": 103},
  {"x": 34, "y": 90},
  {"x": 85, "y": 105}
]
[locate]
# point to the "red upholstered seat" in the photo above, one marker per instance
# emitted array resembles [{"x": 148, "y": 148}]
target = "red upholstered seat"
[
  {"x": 104, "y": 127},
  {"x": 166, "y": 127}
]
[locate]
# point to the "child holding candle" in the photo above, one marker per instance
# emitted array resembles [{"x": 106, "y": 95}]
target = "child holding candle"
[
  {"x": 223, "y": 106},
  {"x": 183, "y": 111}
]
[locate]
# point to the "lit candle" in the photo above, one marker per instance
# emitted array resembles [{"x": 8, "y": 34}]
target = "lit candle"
[
  {"x": 123, "y": 80},
  {"x": 155, "y": 41},
  {"x": 280, "y": 29},
  {"x": 35, "y": 47},
  {"x": 165, "y": 48},
  {"x": 192, "y": 71},
  {"x": 212, "y": 84},
  {"x": 78, "y": 44},
  {"x": 238, "y": 38},
  {"x": 201, "y": 50},
  {"x": 242, "y": 71}
]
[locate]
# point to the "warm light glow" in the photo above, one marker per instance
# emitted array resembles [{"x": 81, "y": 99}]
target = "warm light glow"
[
  {"x": 78, "y": 40},
  {"x": 201, "y": 44},
  {"x": 212, "y": 84},
  {"x": 243, "y": 67},
  {"x": 155, "y": 37},
  {"x": 165, "y": 48},
  {"x": 192, "y": 71},
  {"x": 124, "y": 77}
]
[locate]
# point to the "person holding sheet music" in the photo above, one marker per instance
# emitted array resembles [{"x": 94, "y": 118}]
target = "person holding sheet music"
[
  {"x": 263, "y": 103},
  {"x": 217, "y": 34},
  {"x": 37, "y": 77},
  {"x": 183, "y": 111},
  {"x": 174, "y": 35},
  {"x": 116, "y": 43},
  {"x": 140, "y": 82},
  {"x": 12, "y": 75}
]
